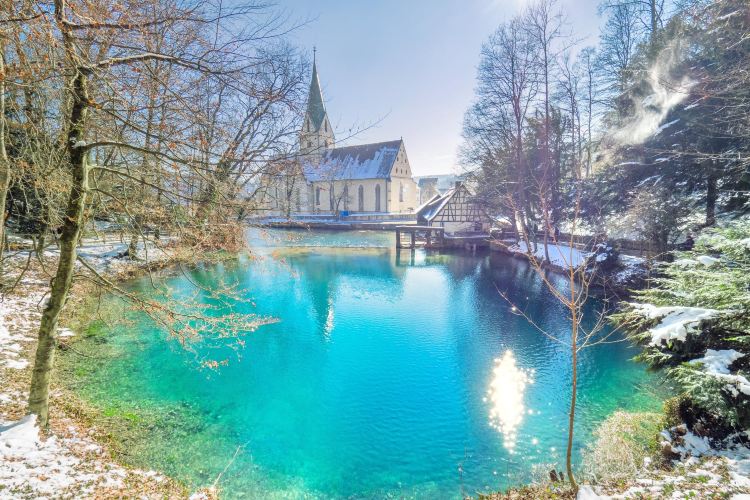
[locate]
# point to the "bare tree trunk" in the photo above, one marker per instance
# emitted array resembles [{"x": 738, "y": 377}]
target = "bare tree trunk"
[
  {"x": 574, "y": 382},
  {"x": 572, "y": 413},
  {"x": 71, "y": 232},
  {"x": 4, "y": 161}
]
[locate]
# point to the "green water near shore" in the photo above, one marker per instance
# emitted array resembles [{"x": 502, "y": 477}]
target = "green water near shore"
[{"x": 388, "y": 374}]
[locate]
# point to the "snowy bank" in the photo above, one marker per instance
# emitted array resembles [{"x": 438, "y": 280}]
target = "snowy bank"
[
  {"x": 699, "y": 470},
  {"x": 67, "y": 462},
  {"x": 560, "y": 255}
]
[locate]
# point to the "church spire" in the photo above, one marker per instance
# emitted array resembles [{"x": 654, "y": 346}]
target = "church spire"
[
  {"x": 317, "y": 134},
  {"x": 316, "y": 110}
]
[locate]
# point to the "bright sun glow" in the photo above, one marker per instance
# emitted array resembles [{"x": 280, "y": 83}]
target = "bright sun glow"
[{"x": 506, "y": 394}]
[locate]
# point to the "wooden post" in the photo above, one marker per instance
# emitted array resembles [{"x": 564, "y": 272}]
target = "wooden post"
[
  {"x": 429, "y": 238},
  {"x": 413, "y": 239},
  {"x": 398, "y": 238}
]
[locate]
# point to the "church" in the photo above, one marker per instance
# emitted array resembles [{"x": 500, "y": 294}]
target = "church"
[{"x": 328, "y": 180}]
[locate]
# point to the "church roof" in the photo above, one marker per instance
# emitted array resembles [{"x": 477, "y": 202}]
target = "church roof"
[
  {"x": 316, "y": 110},
  {"x": 365, "y": 161}
]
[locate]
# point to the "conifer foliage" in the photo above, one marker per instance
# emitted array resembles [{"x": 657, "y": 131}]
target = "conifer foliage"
[{"x": 695, "y": 322}]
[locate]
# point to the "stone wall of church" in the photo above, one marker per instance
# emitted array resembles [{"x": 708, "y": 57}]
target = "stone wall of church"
[
  {"x": 403, "y": 195},
  {"x": 403, "y": 190},
  {"x": 314, "y": 142},
  {"x": 283, "y": 195},
  {"x": 362, "y": 196}
]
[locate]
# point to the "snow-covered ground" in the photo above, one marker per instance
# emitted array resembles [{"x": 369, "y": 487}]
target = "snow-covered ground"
[
  {"x": 700, "y": 471},
  {"x": 66, "y": 461},
  {"x": 560, "y": 255}
]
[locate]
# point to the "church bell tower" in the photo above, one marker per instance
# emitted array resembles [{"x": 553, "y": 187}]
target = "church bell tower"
[{"x": 317, "y": 134}]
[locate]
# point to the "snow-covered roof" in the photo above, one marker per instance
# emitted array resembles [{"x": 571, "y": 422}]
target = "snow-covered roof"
[
  {"x": 429, "y": 210},
  {"x": 365, "y": 161}
]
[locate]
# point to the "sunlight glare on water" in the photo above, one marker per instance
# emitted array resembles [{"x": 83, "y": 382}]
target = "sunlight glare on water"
[{"x": 506, "y": 396}]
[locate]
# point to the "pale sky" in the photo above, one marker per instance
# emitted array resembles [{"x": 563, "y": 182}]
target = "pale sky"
[{"x": 408, "y": 67}]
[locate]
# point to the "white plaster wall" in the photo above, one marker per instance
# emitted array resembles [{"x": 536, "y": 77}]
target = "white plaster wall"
[{"x": 368, "y": 190}]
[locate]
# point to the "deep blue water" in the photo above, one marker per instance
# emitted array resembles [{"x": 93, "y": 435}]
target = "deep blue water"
[{"x": 387, "y": 374}]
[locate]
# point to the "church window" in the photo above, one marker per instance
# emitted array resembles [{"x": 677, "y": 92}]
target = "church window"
[
  {"x": 309, "y": 144},
  {"x": 401, "y": 191},
  {"x": 377, "y": 198},
  {"x": 361, "y": 198},
  {"x": 317, "y": 196},
  {"x": 346, "y": 196}
]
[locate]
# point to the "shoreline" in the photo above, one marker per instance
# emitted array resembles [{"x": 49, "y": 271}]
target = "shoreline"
[{"x": 72, "y": 458}]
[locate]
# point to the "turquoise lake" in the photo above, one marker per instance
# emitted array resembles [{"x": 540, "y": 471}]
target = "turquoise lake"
[{"x": 388, "y": 374}]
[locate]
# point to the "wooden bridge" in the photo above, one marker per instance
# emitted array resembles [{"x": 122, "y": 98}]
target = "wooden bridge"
[{"x": 433, "y": 236}]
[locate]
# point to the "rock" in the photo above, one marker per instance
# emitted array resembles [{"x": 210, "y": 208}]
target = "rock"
[{"x": 668, "y": 452}]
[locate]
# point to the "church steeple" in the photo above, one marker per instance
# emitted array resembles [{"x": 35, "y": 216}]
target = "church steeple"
[{"x": 317, "y": 134}]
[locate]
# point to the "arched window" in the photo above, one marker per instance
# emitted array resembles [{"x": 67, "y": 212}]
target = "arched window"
[
  {"x": 401, "y": 192},
  {"x": 345, "y": 195},
  {"x": 377, "y": 198},
  {"x": 299, "y": 201},
  {"x": 317, "y": 196},
  {"x": 361, "y": 198}
]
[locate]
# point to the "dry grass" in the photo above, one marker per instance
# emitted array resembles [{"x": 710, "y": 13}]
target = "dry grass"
[
  {"x": 533, "y": 492},
  {"x": 623, "y": 442}
]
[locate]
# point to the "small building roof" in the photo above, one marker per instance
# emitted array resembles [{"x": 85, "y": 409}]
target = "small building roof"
[
  {"x": 365, "y": 161},
  {"x": 429, "y": 210}
]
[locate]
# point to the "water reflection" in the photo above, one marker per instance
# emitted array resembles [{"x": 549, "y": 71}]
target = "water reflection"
[
  {"x": 506, "y": 397},
  {"x": 329, "y": 319}
]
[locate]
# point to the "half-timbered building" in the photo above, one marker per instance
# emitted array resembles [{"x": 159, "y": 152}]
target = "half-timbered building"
[{"x": 455, "y": 211}]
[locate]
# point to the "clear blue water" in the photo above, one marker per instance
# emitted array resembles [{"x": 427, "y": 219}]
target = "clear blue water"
[{"x": 387, "y": 375}]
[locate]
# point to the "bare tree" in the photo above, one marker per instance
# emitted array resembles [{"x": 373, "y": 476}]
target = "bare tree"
[
  {"x": 544, "y": 23},
  {"x": 495, "y": 125},
  {"x": 125, "y": 80},
  {"x": 648, "y": 14},
  {"x": 618, "y": 44}
]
